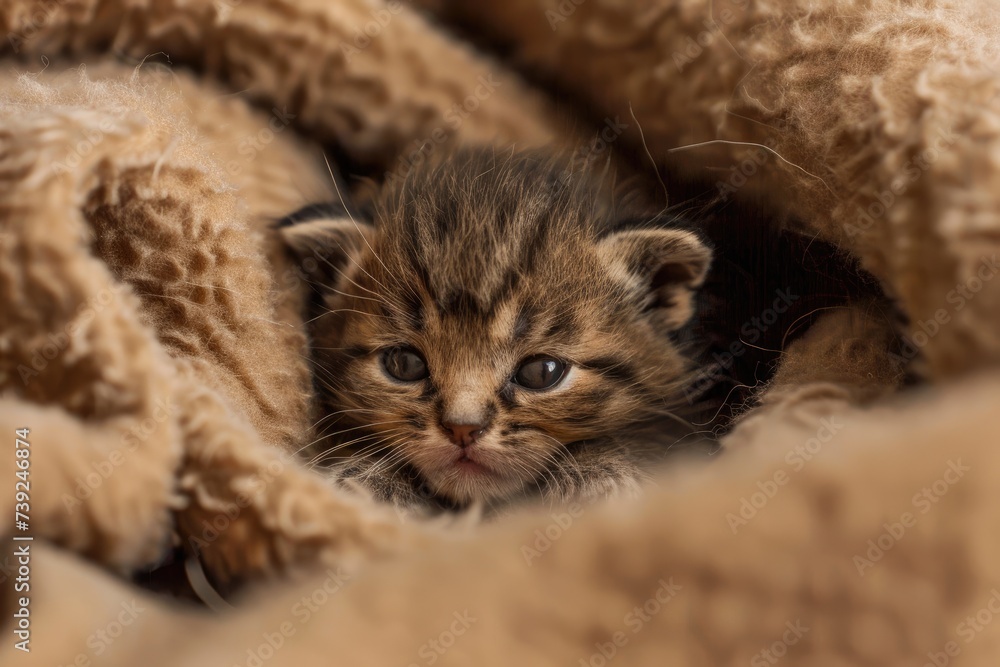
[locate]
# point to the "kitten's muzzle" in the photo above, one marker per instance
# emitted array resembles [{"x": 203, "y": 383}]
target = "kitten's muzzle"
[{"x": 463, "y": 435}]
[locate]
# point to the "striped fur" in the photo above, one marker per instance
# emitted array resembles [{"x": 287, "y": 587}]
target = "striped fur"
[{"x": 478, "y": 264}]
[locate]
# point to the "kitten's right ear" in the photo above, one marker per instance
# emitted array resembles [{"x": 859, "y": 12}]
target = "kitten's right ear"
[
  {"x": 665, "y": 265},
  {"x": 327, "y": 248}
]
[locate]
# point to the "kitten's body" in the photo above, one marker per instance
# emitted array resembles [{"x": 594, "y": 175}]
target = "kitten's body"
[{"x": 475, "y": 275}]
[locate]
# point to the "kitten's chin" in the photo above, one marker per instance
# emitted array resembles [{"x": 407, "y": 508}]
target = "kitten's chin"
[{"x": 467, "y": 480}]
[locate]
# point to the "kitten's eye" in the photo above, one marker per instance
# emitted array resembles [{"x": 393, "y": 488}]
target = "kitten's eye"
[
  {"x": 404, "y": 363},
  {"x": 540, "y": 373}
]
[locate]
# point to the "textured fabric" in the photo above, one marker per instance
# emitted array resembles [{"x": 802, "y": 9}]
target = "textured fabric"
[{"x": 150, "y": 339}]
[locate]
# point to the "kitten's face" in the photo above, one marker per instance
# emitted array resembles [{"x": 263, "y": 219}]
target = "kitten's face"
[{"x": 490, "y": 318}]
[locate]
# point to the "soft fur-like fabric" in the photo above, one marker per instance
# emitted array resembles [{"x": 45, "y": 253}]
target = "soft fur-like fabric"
[{"x": 151, "y": 343}]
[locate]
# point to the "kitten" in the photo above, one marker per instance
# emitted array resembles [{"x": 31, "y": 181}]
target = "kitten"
[{"x": 498, "y": 330}]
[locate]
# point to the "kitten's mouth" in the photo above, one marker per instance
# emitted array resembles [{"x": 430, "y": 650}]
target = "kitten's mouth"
[{"x": 467, "y": 462}]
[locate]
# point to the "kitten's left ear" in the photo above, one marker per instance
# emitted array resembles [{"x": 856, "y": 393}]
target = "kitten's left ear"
[
  {"x": 327, "y": 247},
  {"x": 667, "y": 265}
]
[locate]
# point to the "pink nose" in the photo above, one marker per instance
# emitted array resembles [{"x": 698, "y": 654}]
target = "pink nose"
[{"x": 463, "y": 435}]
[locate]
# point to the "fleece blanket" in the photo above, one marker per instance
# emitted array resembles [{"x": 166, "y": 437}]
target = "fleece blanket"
[{"x": 153, "y": 390}]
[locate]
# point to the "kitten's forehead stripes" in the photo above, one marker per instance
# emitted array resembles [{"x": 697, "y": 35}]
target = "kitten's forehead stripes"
[
  {"x": 484, "y": 242},
  {"x": 522, "y": 321},
  {"x": 461, "y": 303},
  {"x": 562, "y": 325}
]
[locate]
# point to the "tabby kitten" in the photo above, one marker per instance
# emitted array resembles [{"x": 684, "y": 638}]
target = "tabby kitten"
[{"x": 496, "y": 330}]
